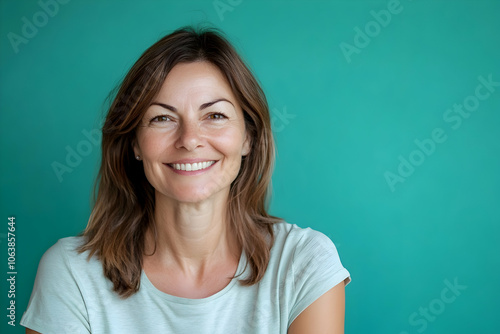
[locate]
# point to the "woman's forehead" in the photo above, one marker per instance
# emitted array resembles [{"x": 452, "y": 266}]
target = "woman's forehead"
[{"x": 194, "y": 80}]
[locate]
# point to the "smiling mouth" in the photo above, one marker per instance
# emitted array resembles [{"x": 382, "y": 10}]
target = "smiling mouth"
[{"x": 192, "y": 167}]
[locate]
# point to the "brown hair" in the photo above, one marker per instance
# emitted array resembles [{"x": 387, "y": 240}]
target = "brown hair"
[{"x": 124, "y": 204}]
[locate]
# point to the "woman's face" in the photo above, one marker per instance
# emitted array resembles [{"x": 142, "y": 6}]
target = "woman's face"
[{"x": 192, "y": 136}]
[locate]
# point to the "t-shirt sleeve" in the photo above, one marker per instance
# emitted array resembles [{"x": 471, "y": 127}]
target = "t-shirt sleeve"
[
  {"x": 316, "y": 269},
  {"x": 56, "y": 304}
]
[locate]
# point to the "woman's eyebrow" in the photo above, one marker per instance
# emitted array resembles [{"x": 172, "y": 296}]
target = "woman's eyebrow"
[
  {"x": 203, "y": 106},
  {"x": 164, "y": 105},
  {"x": 208, "y": 104}
]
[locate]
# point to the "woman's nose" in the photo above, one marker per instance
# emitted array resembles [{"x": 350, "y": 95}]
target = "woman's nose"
[{"x": 189, "y": 135}]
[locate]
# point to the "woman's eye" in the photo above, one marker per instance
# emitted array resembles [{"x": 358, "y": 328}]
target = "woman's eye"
[
  {"x": 216, "y": 116},
  {"x": 162, "y": 118}
]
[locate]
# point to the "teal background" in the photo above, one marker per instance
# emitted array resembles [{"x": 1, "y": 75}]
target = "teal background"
[{"x": 348, "y": 122}]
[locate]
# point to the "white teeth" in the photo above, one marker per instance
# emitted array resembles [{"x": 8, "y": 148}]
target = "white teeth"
[{"x": 194, "y": 166}]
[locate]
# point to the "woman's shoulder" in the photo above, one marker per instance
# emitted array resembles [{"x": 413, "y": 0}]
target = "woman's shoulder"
[
  {"x": 67, "y": 246},
  {"x": 285, "y": 232},
  {"x": 64, "y": 284},
  {"x": 307, "y": 264},
  {"x": 65, "y": 255},
  {"x": 305, "y": 249}
]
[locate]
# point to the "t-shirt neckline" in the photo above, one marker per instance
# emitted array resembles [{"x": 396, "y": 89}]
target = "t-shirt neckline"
[{"x": 147, "y": 286}]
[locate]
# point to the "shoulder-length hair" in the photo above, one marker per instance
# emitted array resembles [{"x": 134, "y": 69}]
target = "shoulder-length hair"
[{"x": 124, "y": 199}]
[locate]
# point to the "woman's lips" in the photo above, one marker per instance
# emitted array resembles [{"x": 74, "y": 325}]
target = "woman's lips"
[{"x": 192, "y": 167}]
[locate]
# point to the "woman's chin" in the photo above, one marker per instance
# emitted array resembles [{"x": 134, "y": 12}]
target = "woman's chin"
[{"x": 195, "y": 195}]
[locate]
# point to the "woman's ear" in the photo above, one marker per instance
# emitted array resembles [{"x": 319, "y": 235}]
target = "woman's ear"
[
  {"x": 246, "y": 145},
  {"x": 136, "y": 149}
]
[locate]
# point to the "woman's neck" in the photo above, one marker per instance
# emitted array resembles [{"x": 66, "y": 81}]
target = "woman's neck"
[{"x": 192, "y": 237}]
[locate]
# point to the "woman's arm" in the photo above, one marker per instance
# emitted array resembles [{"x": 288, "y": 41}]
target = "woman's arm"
[
  {"x": 30, "y": 331},
  {"x": 324, "y": 316}
]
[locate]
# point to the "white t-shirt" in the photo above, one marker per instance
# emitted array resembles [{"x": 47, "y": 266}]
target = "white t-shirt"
[{"x": 71, "y": 294}]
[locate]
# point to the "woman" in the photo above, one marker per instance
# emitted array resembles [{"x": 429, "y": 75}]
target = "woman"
[{"x": 179, "y": 240}]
